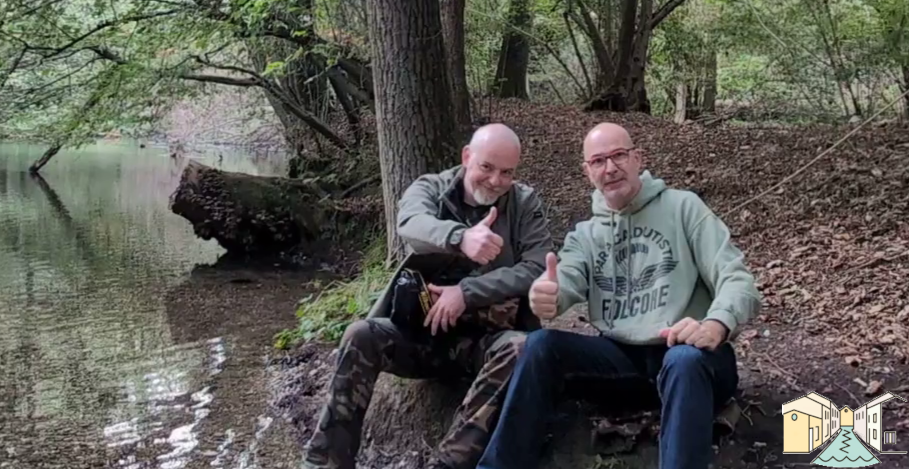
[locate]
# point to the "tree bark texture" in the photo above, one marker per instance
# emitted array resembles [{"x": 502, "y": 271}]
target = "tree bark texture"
[
  {"x": 252, "y": 214},
  {"x": 635, "y": 86},
  {"x": 681, "y": 102},
  {"x": 414, "y": 122},
  {"x": 514, "y": 56},
  {"x": 453, "y": 35},
  {"x": 710, "y": 84},
  {"x": 905, "y": 87}
]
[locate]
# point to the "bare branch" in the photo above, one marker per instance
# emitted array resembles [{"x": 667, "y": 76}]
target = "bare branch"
[
  {"x": 13, "y": 67},
  {"x": 32, "y": 91},
  {"x": 244, "y": 82},
  {"x": 104, "y": 25},
  {"x": 577, "y": 52},
  {"x": 664, "y": 11},
  {"x": 340, "y": 81},
  {"x": 15, "y": 16},
  {"x": 108, "y": 54}
]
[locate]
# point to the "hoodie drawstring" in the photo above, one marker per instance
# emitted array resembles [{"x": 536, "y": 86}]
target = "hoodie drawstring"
[
  {"x": 615, "y": 286},
  {"x": 629, "y": 279}
]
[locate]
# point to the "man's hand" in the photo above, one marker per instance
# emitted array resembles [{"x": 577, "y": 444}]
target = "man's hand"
[
  {"x": 480, "y": 243},
  {"x": 448, "y": 305},
  {"x": 544, "y": 293},
  {"x": 703, "y": 335}
]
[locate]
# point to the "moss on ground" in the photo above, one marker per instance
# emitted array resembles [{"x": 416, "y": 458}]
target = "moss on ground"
[{"x": 325, "y": 315}]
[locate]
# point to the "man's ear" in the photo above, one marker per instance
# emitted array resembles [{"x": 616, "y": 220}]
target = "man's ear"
[{"x": 465, "y": 155}]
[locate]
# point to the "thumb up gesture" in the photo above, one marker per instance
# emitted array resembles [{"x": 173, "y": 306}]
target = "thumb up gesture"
[
  {"x": 480, "y": 243},
  {"x": 544, "y": 293}
]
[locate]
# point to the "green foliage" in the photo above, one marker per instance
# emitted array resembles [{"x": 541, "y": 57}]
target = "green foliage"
[
  {"x": 325, "y": 316},
  {"x": 71, "y": 70},
  {"x": 790, "y": 60}
]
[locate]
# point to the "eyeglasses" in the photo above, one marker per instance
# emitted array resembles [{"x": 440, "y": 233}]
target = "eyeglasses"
[{"x": 619, "y": 157}]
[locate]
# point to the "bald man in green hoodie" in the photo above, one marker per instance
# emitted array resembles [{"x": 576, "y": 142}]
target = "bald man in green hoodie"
[{"x": 667, "y": 290}]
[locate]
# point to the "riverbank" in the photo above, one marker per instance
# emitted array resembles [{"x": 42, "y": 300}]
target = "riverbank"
[{"x": 828, "y": 250}]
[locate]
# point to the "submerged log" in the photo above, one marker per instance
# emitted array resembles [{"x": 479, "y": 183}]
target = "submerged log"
[{"x": 250, "y": 214}]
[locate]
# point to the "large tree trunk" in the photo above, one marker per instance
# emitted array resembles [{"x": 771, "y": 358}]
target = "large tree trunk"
[
  {"x": 514, "y": 56},
  {"x": 453, "y": 35},
  {"x": 413, "y": 99}
]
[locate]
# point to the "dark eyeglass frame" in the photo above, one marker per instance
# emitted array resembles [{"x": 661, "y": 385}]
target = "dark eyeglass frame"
[{"x": 619, "y": 157}]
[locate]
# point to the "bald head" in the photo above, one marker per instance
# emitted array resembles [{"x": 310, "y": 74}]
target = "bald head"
[
  {"x": 606, "y": 138},
  {"x": 499, "y": 136},
  {"x": 490, "y": 160}
]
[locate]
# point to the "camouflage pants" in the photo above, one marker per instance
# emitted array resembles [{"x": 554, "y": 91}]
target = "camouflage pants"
[{"x": 376, "y": 345}]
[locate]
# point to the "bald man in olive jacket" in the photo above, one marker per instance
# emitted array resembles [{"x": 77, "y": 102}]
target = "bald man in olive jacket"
[{"x": 480, "y": 239}]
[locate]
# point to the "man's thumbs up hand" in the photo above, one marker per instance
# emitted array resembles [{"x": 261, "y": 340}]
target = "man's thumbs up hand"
[
  {"x": 544, "y": 293},
  {"x": 552, "y": 268},
  {"x": 480, "y": 243},
  {"x": 490, "y": 218}
]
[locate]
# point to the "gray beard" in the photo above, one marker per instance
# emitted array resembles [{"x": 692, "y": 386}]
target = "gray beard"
[{"x": 482, "y": 198}]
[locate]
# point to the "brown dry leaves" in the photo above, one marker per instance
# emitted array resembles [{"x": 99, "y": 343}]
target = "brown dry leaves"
[{"x": 830, "y": 249}]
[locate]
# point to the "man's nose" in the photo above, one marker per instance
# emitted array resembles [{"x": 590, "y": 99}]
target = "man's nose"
[{"x": 611, "y": 166}]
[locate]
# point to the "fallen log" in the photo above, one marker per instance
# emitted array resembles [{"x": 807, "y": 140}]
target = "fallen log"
[{"x": 251, "y": 214}]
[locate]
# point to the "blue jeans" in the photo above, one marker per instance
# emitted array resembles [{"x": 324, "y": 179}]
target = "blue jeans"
[{"x": 691, "y": 384}]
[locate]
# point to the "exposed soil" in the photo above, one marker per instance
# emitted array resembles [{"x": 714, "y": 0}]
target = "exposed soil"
[{"x": 830, "y": 250}]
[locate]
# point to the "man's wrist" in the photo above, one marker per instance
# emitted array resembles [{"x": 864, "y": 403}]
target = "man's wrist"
[
  {"x": 456, "y": 237},
  {"x": 724, "y": 330}
]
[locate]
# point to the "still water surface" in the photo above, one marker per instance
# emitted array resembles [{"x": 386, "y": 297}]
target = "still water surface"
[{"x": 97, "y": 368}]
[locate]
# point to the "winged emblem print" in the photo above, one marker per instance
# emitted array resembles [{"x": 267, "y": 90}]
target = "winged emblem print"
[{"x": 647, "y": 278}]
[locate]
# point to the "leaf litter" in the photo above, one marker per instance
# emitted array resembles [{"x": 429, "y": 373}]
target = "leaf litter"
[{"x": 829, "y": 249}]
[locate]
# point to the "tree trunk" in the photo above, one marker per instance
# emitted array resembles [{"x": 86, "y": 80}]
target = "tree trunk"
[
  {"x": 626, "y": 89},
  {"x": 514, "y": 56},
  {"x": 905, "y": 87},
  {"x": 616, "y": 96},
  {"x": 681, "y": 103},
  {"x": 413, "y": 111},
  {"x": 636, "y": 88},
  {"x": 37, "y": 165},
  {"x": 709, "y": 102},
  {"x": 453, "y": 36}
]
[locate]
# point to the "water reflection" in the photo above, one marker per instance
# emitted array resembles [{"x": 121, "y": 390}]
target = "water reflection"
[{"x": 91, "y": 372}]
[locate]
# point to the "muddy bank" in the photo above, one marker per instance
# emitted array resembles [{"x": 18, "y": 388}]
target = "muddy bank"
[{"x": 244, "y": 308}]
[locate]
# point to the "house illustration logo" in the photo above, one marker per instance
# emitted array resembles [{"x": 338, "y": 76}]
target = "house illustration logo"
[{"x": 812, "y": 421}]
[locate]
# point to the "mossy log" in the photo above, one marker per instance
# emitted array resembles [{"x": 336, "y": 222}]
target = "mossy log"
[{"x": 251, "y": 214}]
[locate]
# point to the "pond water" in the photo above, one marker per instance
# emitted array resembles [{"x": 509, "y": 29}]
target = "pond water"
[{"x": 97, "y": 368}]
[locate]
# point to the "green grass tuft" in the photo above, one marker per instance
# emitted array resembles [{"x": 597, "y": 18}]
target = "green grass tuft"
[{"x": 326, "y": 315}]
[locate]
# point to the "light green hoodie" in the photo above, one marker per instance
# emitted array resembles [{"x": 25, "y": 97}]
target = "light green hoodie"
[{"x": 682, "y": 264}]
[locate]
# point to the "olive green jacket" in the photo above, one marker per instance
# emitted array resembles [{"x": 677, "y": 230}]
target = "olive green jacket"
[{"x": 430, "y": 211}]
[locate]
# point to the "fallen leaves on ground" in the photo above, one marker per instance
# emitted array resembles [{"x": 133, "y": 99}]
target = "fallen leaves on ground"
[{"x": 829, "y": 249}]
